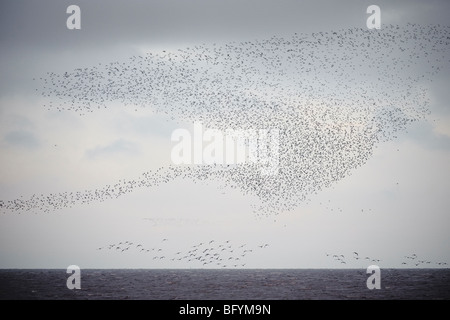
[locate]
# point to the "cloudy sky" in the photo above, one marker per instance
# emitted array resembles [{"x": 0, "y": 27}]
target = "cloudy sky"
[{"x": 394, "y": 205}]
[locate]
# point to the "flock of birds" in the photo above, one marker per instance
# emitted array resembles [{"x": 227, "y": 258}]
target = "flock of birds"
[
  {"x": 228, "y": 254},
  {"x": 212, "y": 253},
  {"x": 412, "y": 260},
  {"x": 333, "y": 96},
  {"x": 354, "y": 257}
]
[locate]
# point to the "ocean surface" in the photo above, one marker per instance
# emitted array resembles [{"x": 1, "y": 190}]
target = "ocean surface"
[{"x": 240, "y": 284}]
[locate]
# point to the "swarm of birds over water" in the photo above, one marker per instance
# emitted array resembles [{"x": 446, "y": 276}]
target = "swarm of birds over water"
[
  {"x": 347, "y": 259},
  {"x": 409, "y": 261},
  {"x": 209, "y": 254},
  {"x": 333, "y": 96}
]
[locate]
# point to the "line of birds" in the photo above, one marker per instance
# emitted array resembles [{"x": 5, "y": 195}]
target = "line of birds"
[
  {"x": 208, "y": 254},
  {"x": 333, "y": 96},
  {"x": 330, "y": 208},
  {"x": 413, "y": 260},
  {"x": 340, "y": 258}
]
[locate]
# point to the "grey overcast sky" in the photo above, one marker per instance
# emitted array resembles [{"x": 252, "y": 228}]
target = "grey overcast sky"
[{"x": 392, "y": 205}]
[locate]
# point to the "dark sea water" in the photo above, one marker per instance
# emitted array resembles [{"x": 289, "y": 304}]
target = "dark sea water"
[{"x": 244, "y": 284}]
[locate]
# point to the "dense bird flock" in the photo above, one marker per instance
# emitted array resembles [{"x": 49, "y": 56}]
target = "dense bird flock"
[{"x": 333, "y": 96}]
